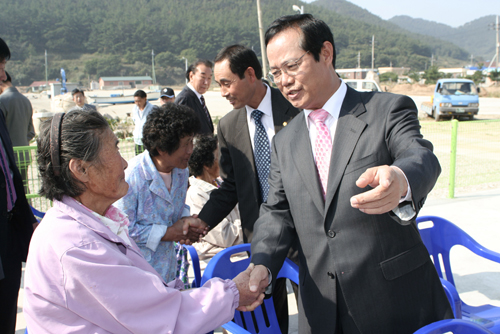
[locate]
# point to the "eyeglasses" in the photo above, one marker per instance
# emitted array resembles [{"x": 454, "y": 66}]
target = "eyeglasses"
[{"x": 290, "y": 67}]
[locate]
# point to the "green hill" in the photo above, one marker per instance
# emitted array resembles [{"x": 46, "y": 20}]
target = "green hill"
[{"x": 93, "y": 38}]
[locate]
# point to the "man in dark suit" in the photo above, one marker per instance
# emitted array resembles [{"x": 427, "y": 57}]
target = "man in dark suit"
[
  {"x": 16, "y": 221},
  {"x": 199, "y": 76},
  {"x": 244, "y": 144},
  {"x": 348, "y": 177},
  {"x": 19, "y": 121}
]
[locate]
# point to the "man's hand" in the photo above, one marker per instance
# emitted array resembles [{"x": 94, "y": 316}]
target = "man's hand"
[
  {"x": 389, "y": 186},
  {"x": 249, "y": 300},
  {"x": 181, "y": 231}
]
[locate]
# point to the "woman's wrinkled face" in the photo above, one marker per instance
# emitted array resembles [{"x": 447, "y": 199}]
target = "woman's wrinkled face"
[
  {"x": 107, "y": 176},
  {"x": 180, "y": 157}
]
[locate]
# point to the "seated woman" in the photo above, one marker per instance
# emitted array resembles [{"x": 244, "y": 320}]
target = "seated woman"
[
  {"x": 84, "y": 273},
  {"x": 204, "y": 168},
  {"x": 158, "y": 180}
]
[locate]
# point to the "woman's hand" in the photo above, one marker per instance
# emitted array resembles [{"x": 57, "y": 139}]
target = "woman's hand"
[
  {"x": 186, "y": 231},
  {"x": 248, "y": 300}
]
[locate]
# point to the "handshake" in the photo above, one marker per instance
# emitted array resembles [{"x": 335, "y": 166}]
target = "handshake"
[
  {"x": 251, "y": 285},
  {"x": 186, "y": 230}
]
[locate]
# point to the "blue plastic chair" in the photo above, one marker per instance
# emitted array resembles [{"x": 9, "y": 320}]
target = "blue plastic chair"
[
  {"x": 38, "y": 214},
  {"x": 455, "y": 326},
  {"x": 263, "y": 319},
  {"x": 195, "y": 261},
  {"x": 439, "y": 239}
]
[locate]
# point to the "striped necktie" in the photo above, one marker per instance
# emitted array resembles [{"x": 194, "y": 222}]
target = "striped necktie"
[
  {"x": 262, "y": 154},
  {"x": 322, "y": 146},
  {"x": 205, "y": 108}
]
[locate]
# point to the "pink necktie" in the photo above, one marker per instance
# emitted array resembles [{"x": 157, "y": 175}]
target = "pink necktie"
[{"x": 322, "y": 146}]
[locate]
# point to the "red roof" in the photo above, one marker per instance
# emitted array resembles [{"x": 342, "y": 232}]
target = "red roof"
[{"x": 41, "y": 83}]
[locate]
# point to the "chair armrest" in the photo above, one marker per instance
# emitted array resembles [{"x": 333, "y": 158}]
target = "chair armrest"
[
  {"x": 196, "y": 265},
  {"x": 482, "y": 251},
  {"x": 453, "y": 298},
  {"x": 235, "y": 328},
  {"x": 455, "y": 325}
]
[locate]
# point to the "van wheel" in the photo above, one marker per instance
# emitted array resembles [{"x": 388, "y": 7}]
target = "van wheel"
[{"x": 435, "y": 115}]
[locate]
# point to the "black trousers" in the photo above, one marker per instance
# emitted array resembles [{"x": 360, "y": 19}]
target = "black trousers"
[{"x": 9, "y": 292}]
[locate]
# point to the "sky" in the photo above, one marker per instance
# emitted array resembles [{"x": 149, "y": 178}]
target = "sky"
[{"x": 451, "y": 12}]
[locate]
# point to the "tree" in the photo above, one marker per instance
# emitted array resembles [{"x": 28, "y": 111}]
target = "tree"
[
  {"x": 388, "y": 76},
  {"x": 495, "y": 76},
  {"x": 431, "y": 75},
  {"x": 477, "y": 77},
  {"x": 415, "y": 76}
]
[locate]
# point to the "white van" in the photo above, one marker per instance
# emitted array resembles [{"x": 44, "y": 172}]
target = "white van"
[{"x": 363, "y": 85}]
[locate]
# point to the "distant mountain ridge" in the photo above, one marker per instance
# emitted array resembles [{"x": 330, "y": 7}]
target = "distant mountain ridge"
[
  {"x": 474, "y": 36},
  {"x": 466, "y": 38}
]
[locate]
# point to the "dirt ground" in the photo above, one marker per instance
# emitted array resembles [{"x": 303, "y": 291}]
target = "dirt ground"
[{"x": 427, "y": 90}]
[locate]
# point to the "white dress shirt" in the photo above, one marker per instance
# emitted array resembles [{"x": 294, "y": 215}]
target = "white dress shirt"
[
  {"x": 194, "y": 90},
  {"x": 332, "y": 106},
  {"x": 267, "y": 118}
]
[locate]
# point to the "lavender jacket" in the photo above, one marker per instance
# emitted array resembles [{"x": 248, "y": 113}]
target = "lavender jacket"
[{"x": 82, "y": 278}]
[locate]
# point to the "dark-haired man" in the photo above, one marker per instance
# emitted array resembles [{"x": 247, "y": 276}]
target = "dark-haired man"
[
  {"x": 18, "y": 114},
  {"x": 16, "y": 220},
  {"x": 348, "y": 177},
  {"x": 245, "y": 136},
  {"x": 79, "y": 99},
  {"x": 141, "y": 111},
  {"x": 166, "y": 95},
  {"x": 199, "y": 76}
]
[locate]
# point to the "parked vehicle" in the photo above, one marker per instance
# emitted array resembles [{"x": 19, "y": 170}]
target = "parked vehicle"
[
  {"x": 453, "y": 98},
  {"x": 363, "y": 85}
]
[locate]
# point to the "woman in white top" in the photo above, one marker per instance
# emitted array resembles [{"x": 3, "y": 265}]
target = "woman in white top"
[{"x": 204, "y": 170}]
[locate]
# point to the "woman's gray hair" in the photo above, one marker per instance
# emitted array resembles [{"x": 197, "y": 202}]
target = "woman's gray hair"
[{"x": 80, "y": 138}]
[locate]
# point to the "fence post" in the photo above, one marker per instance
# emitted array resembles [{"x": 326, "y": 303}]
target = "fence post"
[{"x": 453, "y": 158}]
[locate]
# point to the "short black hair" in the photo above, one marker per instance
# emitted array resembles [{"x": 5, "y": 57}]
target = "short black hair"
[
  {"x": 203, "y": 153},
  {"x": 76, "y": 91},
  {"x": 240, "y": 58},
  {"x": 165, "y": 127},
  {"x": 9, "y": 79},
  {"x": 314, "y": 32},
  {"x": 193, "y": 66},
  {"x": 140, "y": 93},
  {"x": 4, "y": 51},
  {"x": 80, "y": 138}
]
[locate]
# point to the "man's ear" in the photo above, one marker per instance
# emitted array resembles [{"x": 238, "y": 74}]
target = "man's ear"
[
  {"x": 327, "y": 52},
  {"x": 79, "y": 169},
  {"x": 250, "y": 73}
]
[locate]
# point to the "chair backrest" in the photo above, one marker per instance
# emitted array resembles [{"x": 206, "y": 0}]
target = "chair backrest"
[
  {"x": 195, "y": 261},
  {"x": 38, "y": 214},
  {"x": 263, "y": 319},
  {"x": 455, "y": 326},
  {"x": 439, "y": 236}
]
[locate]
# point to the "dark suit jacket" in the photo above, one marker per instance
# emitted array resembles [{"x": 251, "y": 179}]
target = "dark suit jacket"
[
  {"x": 237, "y": 166},
  {"x": 378, "y": 261},
  {"x": 188, "y": 98},
  {"x": 15, "y": 233}
]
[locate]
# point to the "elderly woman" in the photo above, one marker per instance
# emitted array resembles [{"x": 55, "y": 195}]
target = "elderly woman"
[
  {"x": 158, "y": 180},
  {"x": 204, "y": 168},
  {"x": 84, "y": 273}
]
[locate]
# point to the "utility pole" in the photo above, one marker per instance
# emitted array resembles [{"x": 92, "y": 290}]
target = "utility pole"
[
  {"x": 153, "y": 62},
  {"x": 46, "y": 75},
  {"x": 471, "y": 58},
  {"x": 373, "y": 52},
  {"x": 432, "y": 60},
  {"x": 359, "y": 59},
  {"x": 185, "y": 59},
  {"x": 496, "y": 27},
  {"x": 262, "y": 45}
]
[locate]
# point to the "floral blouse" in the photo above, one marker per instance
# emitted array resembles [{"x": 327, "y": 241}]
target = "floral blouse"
[{"x": 151, "y": 209}]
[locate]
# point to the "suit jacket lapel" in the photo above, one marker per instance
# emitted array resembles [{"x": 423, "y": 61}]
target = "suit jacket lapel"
[
  {"x": 243, "y": 135},
  {"x": 304, "y": 161},
  {"x": 281, "y": 115},
  {"x": 349, "y": 129}
]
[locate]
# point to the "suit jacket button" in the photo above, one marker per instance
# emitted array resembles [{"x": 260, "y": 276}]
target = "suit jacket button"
[
  {"x": 332, "y": 275},
  {"x": 331, "y": 233}
]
